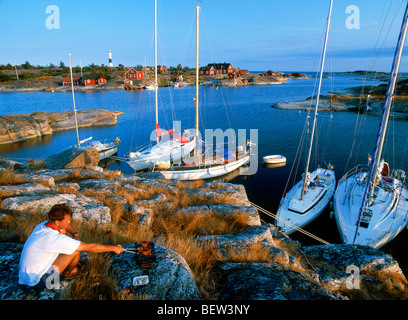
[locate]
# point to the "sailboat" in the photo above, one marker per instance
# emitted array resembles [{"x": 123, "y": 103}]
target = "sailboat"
[
  {"x": 204, "y": 165},
  {"x": 310, "y": 196},
  {"x": 106, "y": 148},
  {"x": 173, "y": 149},
  {"x": 371, "y": 204}
]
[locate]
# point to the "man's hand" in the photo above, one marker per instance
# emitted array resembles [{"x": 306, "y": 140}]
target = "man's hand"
[{"x": 118, "y": 249}]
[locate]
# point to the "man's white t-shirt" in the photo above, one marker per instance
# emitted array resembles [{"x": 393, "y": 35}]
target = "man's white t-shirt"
[{"x": 40, "y": 251}]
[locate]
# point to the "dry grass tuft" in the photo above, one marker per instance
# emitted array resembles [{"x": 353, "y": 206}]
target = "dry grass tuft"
[
  {"x": 16, "y": 228},
  {"x": 117, "y": 210},
  {"x": 34, "y": 164},
  {"x": 130, "y": 232},
  {"x": 392, "y": 286},
  {"x": 9, "y": 177},
  {"x": 185, "y": 199},
  {"x": 97, "y": 282},
  {"x": 194, "y": 184},
  {"x": 74, "y": 176},
  {"x": 255, "y": 253},
  {"x": 167, "y": 223},
  {"x": 79, "y": 175}
]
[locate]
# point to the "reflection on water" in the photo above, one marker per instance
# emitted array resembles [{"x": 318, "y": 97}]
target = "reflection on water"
[
  {"x": 108, "y": 162},
  {"x": 273, "y": 165},
  {"x": 27, "y": 144}
]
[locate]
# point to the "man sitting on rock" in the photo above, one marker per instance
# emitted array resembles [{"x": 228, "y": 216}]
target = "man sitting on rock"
[{"x": 48, "y": 251}]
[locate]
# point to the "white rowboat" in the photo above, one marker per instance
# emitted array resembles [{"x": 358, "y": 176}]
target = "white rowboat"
[{"x": 274, "y": 159}]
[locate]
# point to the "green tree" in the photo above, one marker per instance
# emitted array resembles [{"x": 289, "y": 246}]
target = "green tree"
[{"x": 26, "y": 65}]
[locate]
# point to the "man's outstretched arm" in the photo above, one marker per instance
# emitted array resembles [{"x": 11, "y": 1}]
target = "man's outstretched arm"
[{"x": 99, "y": 248}]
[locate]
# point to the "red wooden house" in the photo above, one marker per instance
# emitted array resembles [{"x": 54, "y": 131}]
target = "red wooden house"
[
  {"x": 222, "y": 68},
  {"x": 67, "y": 81},
  {"x": 134, "y": 74},
  {"x": 94, "y": 81},
  {"x": 207, "y": 71}
]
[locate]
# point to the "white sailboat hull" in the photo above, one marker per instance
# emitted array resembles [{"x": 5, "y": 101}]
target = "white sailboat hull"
[
  {"x": 209, "y": 172},
  {"x": 169, "y": 151},
  {"x": 105, "y": 149},
  {"x": 387, "y": 214},
  {"x": 295, "y": 212},
  {"x": 107, "y": 152}
]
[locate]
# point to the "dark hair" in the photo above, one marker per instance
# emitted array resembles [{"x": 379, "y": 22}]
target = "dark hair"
[{"x": 58, "y": 212}]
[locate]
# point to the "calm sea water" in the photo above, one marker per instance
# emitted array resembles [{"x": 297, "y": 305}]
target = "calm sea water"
[{"x": 279, "y": 132}]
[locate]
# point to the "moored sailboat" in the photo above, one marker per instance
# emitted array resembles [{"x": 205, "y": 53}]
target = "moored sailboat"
[
  {"x": 371, "y": 204},
  {"x": 205, "y": 165},
  {"x": 173, "y": 149},
  {"x": 310, "y": 196},
  {"x": 106, "y": 148}
]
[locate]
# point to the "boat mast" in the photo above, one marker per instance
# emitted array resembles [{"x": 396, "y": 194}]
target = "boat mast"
[
  {"x": 73, "y": 99},
  {"x": 155, "y": 69},
  {"x": 317, "y": 98},
  {"x": 196, "y": 134},
  {"x": 197, "y": 67},
  {"x": 384, "y": 121}
]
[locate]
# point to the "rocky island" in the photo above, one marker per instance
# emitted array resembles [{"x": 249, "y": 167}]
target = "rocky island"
[
  {"x": 211, "y": 244},
  {"x": 356, "y": 99},
  {"x": 20, "y": 127}
]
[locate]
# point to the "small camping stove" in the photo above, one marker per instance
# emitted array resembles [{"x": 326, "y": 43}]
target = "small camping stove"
[{"x": 145, "y": 253}]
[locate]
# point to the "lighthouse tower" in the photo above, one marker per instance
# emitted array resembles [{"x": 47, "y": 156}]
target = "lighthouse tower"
[{"x": 110, "y": 58}]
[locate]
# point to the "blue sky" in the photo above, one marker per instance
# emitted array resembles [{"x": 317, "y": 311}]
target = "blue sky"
[{"x": 257, "y": 35}]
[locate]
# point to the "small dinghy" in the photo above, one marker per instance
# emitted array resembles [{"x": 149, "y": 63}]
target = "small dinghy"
[{"x": 274, "y": 159}]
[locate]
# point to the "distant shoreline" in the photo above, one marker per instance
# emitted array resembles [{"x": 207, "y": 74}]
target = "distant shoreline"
[
  {"x": 37, "y": 83},
  {"x": 93, "y": 78}
]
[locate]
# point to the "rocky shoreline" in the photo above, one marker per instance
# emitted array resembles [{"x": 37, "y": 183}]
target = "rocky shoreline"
[
  {"x": 20, "y": 127},
  {"x": 356, "y": 99},
  {"x": 286, "y": 270}
]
